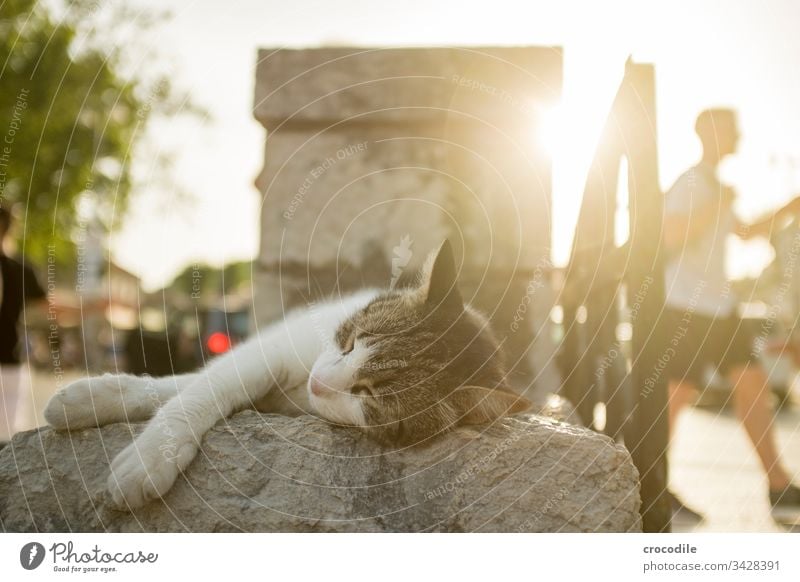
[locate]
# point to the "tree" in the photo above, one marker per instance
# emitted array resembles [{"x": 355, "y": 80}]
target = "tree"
[
  {"x": 208, "y": 281},
  {"x": 72, "y": 108}
]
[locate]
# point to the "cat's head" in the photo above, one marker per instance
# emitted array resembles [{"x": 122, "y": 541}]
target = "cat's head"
[{"x": 414, "y": 363}]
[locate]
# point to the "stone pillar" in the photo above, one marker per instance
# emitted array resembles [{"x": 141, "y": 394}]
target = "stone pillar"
[{"x": 374, "y": 156}]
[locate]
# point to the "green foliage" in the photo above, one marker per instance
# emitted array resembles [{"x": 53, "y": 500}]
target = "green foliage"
[
  {"x": 71, "y": 110},
  {"x": 207, "y": 281}
]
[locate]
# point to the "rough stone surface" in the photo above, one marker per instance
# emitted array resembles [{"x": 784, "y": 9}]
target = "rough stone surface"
[{"x": 273, "y": 473}]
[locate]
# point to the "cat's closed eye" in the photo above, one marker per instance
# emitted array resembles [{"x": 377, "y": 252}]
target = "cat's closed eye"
[
  {"x": 351, "y": 342},
  {"x": 360, "y": 389}
]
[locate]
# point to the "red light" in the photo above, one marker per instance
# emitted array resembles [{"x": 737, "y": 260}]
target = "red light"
[{"x": 218, "y": 343}]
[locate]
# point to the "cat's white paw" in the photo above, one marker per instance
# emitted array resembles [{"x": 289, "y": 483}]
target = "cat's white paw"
[
  {"x": 147, "y": 469},
  {"x": 86, "y": 402}
]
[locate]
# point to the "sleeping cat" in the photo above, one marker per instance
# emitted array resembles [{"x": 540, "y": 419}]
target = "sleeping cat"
[{"x": 402, "y": 365}]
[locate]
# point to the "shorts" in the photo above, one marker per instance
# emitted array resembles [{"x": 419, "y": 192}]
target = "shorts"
[{"x": 695, "y": 342}]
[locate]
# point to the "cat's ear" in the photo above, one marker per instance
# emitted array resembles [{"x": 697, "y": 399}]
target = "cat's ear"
[
  {"x": 440, "y": 280},
  {"x": 478, "y": 405}
]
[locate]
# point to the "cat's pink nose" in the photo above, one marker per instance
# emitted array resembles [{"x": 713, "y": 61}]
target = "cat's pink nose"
[{"x": 317, "y": 387}]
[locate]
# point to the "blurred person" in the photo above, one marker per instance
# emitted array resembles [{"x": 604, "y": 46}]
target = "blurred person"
[
  {"x": 18, "y": 285},
  {"x": 701, "y": 325}
]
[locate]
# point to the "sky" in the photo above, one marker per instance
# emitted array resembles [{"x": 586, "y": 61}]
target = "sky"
[{"x": 744, "y": 55}]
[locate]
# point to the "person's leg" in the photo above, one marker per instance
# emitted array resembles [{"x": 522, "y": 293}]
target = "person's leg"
[
  {"x": 9, "y": 395},
  {"x": 681, "y": 393},
  {"x": 684, "y": 334},
  {"x": 26, "y": 415},
  {"x": 751, "y": 401}
]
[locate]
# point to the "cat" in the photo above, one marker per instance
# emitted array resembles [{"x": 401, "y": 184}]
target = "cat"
[{"x": 403, "y": 365}]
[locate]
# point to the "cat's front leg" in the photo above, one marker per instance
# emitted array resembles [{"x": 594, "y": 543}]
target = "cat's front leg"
[
  {"x": 283, "y": 352},
  {"x": 101, "y": 400},
  {"x": 148, "y": 467}
]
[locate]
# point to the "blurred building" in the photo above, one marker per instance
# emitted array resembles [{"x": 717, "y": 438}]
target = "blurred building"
[{"x": 83, "y": 325}]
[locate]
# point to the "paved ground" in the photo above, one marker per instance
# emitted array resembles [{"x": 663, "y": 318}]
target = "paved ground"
[
  {"x": 715, "y": 471},
  {"x": 713, "y": 467},
  {"x": 41, "y": 386}
]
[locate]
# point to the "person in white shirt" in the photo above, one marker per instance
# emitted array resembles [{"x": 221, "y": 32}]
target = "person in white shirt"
[{"x": 701, "y": 324}]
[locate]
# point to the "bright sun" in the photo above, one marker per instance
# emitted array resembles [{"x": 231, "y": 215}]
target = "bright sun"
[{"x": 568, "y": 131}]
